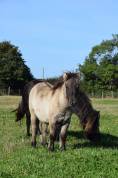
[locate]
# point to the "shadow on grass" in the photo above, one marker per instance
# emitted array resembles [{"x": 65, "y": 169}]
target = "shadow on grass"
[
  {"x": 106, "y": 141},
  {"x": 5, "y": 175}
]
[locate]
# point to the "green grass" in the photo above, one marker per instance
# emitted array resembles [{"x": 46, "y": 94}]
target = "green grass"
[{"x": 82, "y": 159}]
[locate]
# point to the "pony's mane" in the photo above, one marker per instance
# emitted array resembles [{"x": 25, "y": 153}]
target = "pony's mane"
[
  {"x": 82, "y": 96},
  {"x": 60, "y": 81},
  {"x": 84, "y": 106}
]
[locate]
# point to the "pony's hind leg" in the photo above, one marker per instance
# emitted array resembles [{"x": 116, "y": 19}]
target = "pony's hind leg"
[
  {"x": 28, "y": 123},
  {"x": 33, "y": 124},
  {"x": 63, "y": 135}
]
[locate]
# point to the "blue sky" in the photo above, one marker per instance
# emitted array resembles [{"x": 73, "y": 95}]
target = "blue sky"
[{"x": 57, "y": 34}]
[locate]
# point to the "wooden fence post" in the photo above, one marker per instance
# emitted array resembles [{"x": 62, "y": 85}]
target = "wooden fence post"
[
  {"x": 9, "y": 90},
  {"x": 102, "y": 94}
]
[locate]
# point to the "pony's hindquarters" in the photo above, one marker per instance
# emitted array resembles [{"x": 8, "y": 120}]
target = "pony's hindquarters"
[{"x": 38, "y": 107}]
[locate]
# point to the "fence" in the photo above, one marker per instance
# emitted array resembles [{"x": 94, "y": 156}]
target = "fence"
[
  {"x": 104, "y": 94},
  {"x": 10, "y": 92},
  {"x": 97, "y": 94}
]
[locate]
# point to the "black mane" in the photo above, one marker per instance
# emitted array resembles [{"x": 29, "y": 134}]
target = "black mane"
[
  {"x": 60, "y": 81},
  {"x": 83, "y": 107}
]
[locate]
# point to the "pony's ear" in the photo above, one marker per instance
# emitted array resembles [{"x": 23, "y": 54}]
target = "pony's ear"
[{"x": 65, "y": 76}]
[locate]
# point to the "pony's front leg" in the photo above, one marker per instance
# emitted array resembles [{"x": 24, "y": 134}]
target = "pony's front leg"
[
  {"x": 37, "y": 126},
  {"x": 33, "y": 124},
  {"x": 52, "y": 127},
  {"x": 44, "y": 130},
  {"x": 63, "y": 135}
]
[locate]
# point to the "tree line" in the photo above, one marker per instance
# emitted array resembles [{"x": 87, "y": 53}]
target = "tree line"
[{"x": 98, "y": 73}]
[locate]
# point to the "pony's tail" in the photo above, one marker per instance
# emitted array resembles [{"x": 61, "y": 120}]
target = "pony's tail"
[{"x": 20, "y": 111}]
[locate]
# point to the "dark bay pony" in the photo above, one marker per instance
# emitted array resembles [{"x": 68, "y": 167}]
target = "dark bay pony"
[
  {"x": 23, "y": 107},
  {"x": 53, "y": 105}
]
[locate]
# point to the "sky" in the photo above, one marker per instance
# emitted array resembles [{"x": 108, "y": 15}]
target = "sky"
[{"x": 57, "y": 35}]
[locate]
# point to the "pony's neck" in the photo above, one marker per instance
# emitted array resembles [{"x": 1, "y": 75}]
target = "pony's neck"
[
  {"x": 61, "y": 96},
  {"x": 83, "y": 112}
]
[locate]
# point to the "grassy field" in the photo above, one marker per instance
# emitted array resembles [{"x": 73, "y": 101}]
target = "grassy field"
[{"x": 82, "y": 158}]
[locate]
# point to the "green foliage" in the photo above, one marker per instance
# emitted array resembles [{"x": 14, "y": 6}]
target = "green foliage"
[
  {"x": 14, "y": 72},
  {"x": 82, "y": 159},
  {"x": 100, "y": 68}
]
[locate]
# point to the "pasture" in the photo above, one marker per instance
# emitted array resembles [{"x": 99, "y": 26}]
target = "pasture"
[{"x": 82, "y": 159}]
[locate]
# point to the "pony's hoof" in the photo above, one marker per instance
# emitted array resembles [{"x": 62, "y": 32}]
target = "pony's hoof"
[
  {"x": 28, "y": 135},
  {"x": 62, "y": 148},
  {"x": 50, "y": 149},
  {"x": 33, "y": 144},
  {"x": 44, "y": 144}
]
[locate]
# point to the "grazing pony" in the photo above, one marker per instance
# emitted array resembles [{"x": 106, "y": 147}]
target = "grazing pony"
[
  {"x": 89, "y": 117},
  {"x": 53, "y": 105}
]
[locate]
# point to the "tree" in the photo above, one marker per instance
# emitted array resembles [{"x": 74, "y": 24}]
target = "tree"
[
  {"x": 88, "y": 73},
  {"x": 100, "y": 68},
  {"x": 14, "y": 73}
]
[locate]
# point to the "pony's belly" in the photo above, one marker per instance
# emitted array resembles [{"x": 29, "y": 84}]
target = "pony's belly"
[
  {"x": 42, "y": 114},
  {"x": 41, "y": 103}
]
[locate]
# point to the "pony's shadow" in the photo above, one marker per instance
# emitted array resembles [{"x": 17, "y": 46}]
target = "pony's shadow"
[
  {"x": 5, "y": 175},
  {"x": 106, "y": 141}
]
